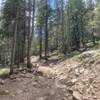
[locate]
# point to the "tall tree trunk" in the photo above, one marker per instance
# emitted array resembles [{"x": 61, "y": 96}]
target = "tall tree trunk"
[
  {"x": 57, "y": 34},
  {"x": 13, "y": 50},
  {"x": 93, "y": 36},
  {"x": 24, "y": 34},
  {"x": 33, "y": 18},
  {"x": 46, "y": 30},
  {"x": 40, "y": 37},
  {"x": 29, "y": 36},
  {"x": 62, "y": 28}
]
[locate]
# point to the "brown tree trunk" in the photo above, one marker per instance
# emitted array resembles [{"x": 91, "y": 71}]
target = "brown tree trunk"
[
  {"x": 40, "y": 37},
  {"x": 13, "y": 46},
  {"x": 29, "y": 37},
  {"x": 46, "y": 30},
  {"x": 23, "y": 44}
]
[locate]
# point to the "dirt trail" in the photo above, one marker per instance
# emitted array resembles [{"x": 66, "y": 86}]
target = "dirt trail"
[
  {"x": 59, "y": 79},
  {"x": 30, "y": 87},
  {"x": 82, "y": 78},
  {"x": 34, "y": 85}
]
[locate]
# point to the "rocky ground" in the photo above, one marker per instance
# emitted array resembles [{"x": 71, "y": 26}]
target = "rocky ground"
[{"x": 76, "y": 78}]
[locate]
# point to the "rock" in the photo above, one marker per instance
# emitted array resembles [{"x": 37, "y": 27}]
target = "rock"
[
  {"x": 70, "y": 90},
  {"x": 86, "y": 72},
  {"x": 28, "y": 75},
  {"x": 20, "y": 69},
  {"x": 12, "y": 77},
  {"x": 2, "y": 82},
  {"x": 19, "y": 91},
  {"x": 34, "y": 83},
  {"x": 12, "y": 95},
  {"x": 77, "y": 95},
  {"x": 85, "y": 98},
  {"x": 95, "y": 97},
  {"x": 24, "y": 72},
  {"x": 39, "y": 73},
  {"x": 4, "y": 92},
  {"x": 74, "y": 81},
  {"x": 41, "y": 98},
  {"x": 82, "y": 70},
  {"x": 69, "y": 83},
  {"x": 18, "y": 79},
  {"x": 52, "y": 93},
  {"x": 25, "y": 90},
  {"x": 51, "y": 65},
  {"x": 77, "y": 72}
]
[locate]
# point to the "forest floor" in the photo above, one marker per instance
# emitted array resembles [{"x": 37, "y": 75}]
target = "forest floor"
[{"x": 75, "y": 78}]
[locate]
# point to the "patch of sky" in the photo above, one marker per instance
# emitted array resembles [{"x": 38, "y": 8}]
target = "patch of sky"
[{"x": 53, "y": 3}]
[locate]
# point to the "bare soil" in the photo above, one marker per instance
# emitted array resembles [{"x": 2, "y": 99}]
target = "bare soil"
[{"x": 59, "y": 79}]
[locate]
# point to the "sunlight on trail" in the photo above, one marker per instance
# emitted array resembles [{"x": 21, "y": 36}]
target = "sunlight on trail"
[{"x": 4, "y": 71}]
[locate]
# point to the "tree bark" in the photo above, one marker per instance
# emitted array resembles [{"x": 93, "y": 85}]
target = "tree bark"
[
  {"x": 46, "y": 30},
  {"x": 40, "y": 35},
  {"x": 13, "y": 50},
  {"x": 29, "y": 36}
]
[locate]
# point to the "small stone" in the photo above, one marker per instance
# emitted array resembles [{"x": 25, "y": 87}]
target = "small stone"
[
  {"x": 28, "y": 75},
  {"x": 12, "y": 95},
  {"x": 95, "y": 97},
  {"x": 81, "y": 70},
  {"x": 51, "y": 64},
  {"x": 20, "y": 68},
  {"x": 74, "y": 81},
  {"x": 18, "y": 79},
  {"x": 24, "y": 72},
  {"x": 70, "y": 91},
  {"x": 19, "y": 91},
  {"x": 25, "y": 90},
  {"x": 5, "y": 92},
  {"x": 85, "y": 98},
  {"x": 41, "y": 98},
  {"x": 2, "y": 82},
  {"x": 77, "y": 95},
  {"x": 86, "y": 72},
  {"x": 52, "y": 93},
  {"x": 77, "y": 72},
  {"x": 34, "y": 83},
  {"x": 12, "y": 77}
]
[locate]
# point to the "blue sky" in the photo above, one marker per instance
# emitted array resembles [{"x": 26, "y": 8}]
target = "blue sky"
[
  {"x": 53, "y": 4},
  {"x": 0, "y": 1},
  {"x": 0, "y": 4}
]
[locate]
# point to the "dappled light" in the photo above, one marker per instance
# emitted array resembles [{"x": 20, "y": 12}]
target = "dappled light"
[{"x": 49, "y": 49}]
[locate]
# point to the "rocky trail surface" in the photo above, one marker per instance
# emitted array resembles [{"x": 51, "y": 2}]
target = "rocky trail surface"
[{"x": 76, "y": 78}]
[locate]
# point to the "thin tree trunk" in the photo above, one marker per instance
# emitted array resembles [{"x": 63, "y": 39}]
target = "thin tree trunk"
[
  {"x": 62, "y": 28},
  {"x": 57, "y": 37},
  {"x": 93, "y": 36},
  {"x": 46, "y": 30},
  {"x": 40, "y": 35},
  {"x": 29, "y": 36},
  {"x": 24, "y": 36},
  {"x": 33, "y": 18},
  {"x": 13, "y": 46}
]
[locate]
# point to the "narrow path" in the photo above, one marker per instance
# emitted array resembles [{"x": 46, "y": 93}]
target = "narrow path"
[
  {"x": 56, "y": 80},
  {"x": 34, "y": 85},
  {"x": 30, "y": 87}
]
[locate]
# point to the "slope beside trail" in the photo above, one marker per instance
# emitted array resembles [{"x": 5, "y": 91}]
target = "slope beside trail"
[{"x": 76, "y": 78}]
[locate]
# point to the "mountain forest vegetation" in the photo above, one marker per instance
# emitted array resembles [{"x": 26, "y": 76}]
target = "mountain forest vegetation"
[
  {"x": 49, "y": 49},
  {"x": 43, "y": 27},
  {"x": 46, "y": 27}
]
